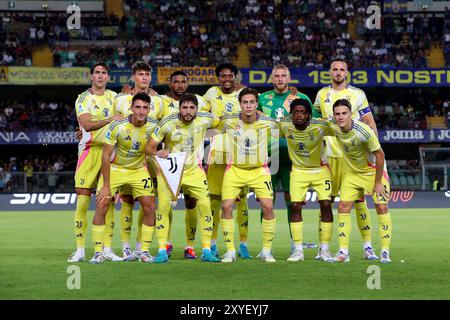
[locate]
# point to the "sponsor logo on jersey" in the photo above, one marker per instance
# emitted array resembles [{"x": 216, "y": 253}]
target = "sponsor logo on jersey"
[
  {"x": 229, "y": 107},
  {"x": 105, "y": 112},
  {"x": 136, "y": 145}
]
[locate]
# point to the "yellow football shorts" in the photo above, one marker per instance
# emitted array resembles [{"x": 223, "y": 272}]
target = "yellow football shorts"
[
  {"x": 215, "y": 177},
  {"x": 355, "y": 185},
  {"x": 337, "y": 166},
  {"x": 194, "y": 182},
  {"x": 258, "y": 179},
  {"x": 138, "y": 181},
  {"x": 89, "y": 166},
  {"x": 302, "y": 179}
]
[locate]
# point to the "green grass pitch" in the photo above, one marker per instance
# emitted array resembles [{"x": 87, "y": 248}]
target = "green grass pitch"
[{"x": 35, "y": 246}]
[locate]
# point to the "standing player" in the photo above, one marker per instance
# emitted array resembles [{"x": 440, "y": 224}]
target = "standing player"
[
  {"x": 247, "y": 137},
  {"x": 185, "y": 132},
  {"x": 365, "y": 173},
  {"x": 275, "y": 104},
  {"x": 142, "y": 78},
  {"x": 304, "y": 141},
  {"x": 94, "y": 109},
  {"x": 223, "y": 100},
  {"x": 178, "y": 86},
  {"x": 127, "y": 138},
  {"x": 323, "y": 104}
]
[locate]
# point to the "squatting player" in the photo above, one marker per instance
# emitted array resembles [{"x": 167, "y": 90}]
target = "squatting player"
[
  {"x": 275, "y": 104},
  {"x": 247, "y": 136},
  {"x": 94, "y": 109},
  {"x": 365, "y": 173},
  {"x": 127, "y": 138},
  {"x": 323, "y": 104},
  {"x": 142, "y": 78},
  {"x": 223, "y": 100},
  {"x": 185, "y": 132},
  {"x": 304, "y": 139}
]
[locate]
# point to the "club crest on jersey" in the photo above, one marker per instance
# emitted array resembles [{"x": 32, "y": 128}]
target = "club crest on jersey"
[
  {"x": 229, "y": 107},
  {"x": 136, "y": 145},
  {"x": 279, "y": 113}
]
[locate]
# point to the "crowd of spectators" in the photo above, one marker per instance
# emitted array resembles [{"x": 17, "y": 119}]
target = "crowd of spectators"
[
  {"x": 203, "y": 33},
  {"x": 37, "y": 115},
  {"x": 34, "y": 173}
]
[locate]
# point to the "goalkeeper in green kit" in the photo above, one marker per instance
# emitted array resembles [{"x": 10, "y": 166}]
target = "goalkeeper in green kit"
[{"x": 275, "y": 104}]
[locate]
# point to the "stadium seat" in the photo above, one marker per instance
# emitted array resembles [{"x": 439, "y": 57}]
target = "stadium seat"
[
  {"x": 403, "y": 181},
  {"x": 411, "y": 181},
  {"x": 395, "y": 180}
]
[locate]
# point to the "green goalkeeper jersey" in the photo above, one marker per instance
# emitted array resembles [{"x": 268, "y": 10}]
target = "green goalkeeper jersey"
[{"x": 277, "y": 106}]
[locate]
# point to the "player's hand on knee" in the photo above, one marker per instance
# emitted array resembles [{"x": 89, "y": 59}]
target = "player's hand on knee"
[
  {"x": 162, "y": 154},
  {"x": 104, "y": 196},
  {"x": 380, "y": 190}
]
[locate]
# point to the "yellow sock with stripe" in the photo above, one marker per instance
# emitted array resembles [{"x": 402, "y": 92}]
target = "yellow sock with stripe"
[
  {"x": 126, "y": 221},
  {"x": 344, "y": 229},
  {"x": 139, "y": 229},
  {"x": 364, "y": 221},
  {"x": 147, "y": 236},
  {"x": 385, "y": 230},
  {"x": 109, "y": 226},
  {"x": 162, "y": 228},
  {"x": 325, "y": 234},
  {"x": 228, "y": 233},
  {"x": 80, "y": 219},
  {"x": 268, "y": 230},
  {"x": 190, "y": 220},
  {"x": 297, "y": 232},
  {"x": 242, "y": 217},
  {"x": 216, "y": 212},
  {"x": 98, "y": 236},
  {"x": 206, "y": 221}
]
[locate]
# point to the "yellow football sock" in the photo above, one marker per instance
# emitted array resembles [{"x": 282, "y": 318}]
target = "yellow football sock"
[
  {"x": 98, "y": 236},
  {"x": 162, "y": 227},
  {"x": 147, "y": 236},
  {"x": 80, "y": 219},
  {"x": 190, "y": 220},
  {"x": 126, "y": 221},
  {"x": 170, "y": 224},
  {"x": 242, "y": 217},
  {"x": 344, "y": 230},
  {"x": 206, "y": 221},
  {"x": 228, "y": 233},
  {"x": 268, "y": 229},
  {"x": 109, "y": 226},
  {"x": 297, "y": 232},
  {"x": 385, "y": 230},
  {"x": 139, "y": 226},
  {"x": 216, "y": 212},
  {"x": 363, "y": 219},
  {"x": 325, "y": 232}
]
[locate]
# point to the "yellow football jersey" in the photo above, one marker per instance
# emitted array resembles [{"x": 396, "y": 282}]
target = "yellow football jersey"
[
  {"x": 247, "y": 144},
  {"x": 99, "y": 107},
  {"x": 305, "y": 146},
  {"x": 357, "y": 145},
  {"x": 183, "y": 137},
  {"x": 219, "y": 103},
  {"x": 323, "y": 104},
  {"x": 170, "y": 105},
  {"x": 122, "y": 104},
  {"x": 129, "y": 142}
]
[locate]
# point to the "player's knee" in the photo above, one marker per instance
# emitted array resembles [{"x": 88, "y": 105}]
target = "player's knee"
[
  {"x": 189, "y": 202},
  {"x": 381, "y": 208},
  {"x": 326, "y": 213},
  {"x": 128, "y": 198},
  {"x": 344, "y": 207},
  {"x": 227, "y": 209}
]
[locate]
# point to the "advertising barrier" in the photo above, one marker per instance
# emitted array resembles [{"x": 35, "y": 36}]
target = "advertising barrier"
[
  {"x": 48, "y": 76},
  {"x": 67, "y": 201}
]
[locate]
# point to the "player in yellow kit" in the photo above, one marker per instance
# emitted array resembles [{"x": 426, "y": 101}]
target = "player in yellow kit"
[
  {"x": 94, "y": 109},
  {"x": 365, "y": 174},
  {"x": 247, "y": 137},
  {"x": 126, "y": 139},
  {"x": 178, "y": 86},
  {"x": 185, "y": 132},
  {"x": 142, "y": 77},
  {"x": 340, "y": 89},
  {"x": 223, "y": 100},
  {"x": 304, "y": 139}
]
